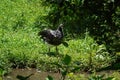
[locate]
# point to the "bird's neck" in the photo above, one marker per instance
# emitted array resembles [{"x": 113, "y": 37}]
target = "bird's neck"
[{"x": 61, "y": 30}]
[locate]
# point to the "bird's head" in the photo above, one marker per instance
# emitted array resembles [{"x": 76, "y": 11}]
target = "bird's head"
[{"x": 61, "y": 25}]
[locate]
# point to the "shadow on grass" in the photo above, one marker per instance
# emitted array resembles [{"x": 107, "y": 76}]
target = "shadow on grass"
[
  {"x": 113, "y": 66},
  {"x": 53, "y": 54}
]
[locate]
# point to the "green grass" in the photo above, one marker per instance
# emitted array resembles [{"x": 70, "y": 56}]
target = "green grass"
[
  {"x": 20, "y": 47},
  {"x": 20, "y": 13},
  {"x": 24, "y": 48}
]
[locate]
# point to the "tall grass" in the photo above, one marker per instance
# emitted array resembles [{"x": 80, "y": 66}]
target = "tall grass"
[
  {"x": 23, "y": 48},
  {"x": 20, "y": 13},
  {"x": 17, "y": 20}
]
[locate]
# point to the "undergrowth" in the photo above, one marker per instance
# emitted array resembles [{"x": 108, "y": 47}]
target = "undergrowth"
[{"x": 22, "y": 48}]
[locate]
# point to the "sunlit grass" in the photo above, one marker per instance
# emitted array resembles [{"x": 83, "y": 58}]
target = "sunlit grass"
[
  {"x": 25, "y": 48},
  {"x": 20, "y": 13}
]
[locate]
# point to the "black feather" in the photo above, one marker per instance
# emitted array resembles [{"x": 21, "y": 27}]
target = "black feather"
[{"x": 53, "y": 37}]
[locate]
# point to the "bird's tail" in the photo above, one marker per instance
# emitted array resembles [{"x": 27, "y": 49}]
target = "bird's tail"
[{"x": 65, "y": 44}]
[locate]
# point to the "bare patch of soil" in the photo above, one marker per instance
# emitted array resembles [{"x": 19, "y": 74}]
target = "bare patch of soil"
[{"x": 32, "y": 74}]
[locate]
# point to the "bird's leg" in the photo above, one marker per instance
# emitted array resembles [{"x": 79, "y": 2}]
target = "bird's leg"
[
  {"x": 56, "y": 49},
  {"x": 49, "y": 50}
]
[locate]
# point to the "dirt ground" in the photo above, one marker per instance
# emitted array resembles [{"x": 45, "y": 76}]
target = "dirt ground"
[{"x": 33, "y": 74}]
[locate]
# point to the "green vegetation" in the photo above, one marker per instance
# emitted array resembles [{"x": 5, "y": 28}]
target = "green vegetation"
[{"x": 21, "y": 47}]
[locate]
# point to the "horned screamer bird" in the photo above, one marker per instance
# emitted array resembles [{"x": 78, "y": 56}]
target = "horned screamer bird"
[{"x": 53, "y": 37}]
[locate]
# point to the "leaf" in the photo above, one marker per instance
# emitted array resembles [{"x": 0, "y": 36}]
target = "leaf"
[
  {"x": 2, "y": 72},
  {"x": 64, "y": 73},
  {"x": 1, "y": 78},
  {"x": 20, "y": 77},
  {"x": 110, "y": 78},
  {"x": 75, "y": 69},
  {"x": 49, "y": 77},
  {"x": 67, "y": 59},
  {"x": 65, "y": 44},
  {"x": 57, "y": 64}
]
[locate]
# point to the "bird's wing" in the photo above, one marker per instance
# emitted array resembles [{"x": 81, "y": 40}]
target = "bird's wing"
[
  {"x": 59, "y": 34},
  {"x": 53, "y": 33}
]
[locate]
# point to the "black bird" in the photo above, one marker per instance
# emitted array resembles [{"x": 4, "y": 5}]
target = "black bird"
[{"x": 53, "y": 37}]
